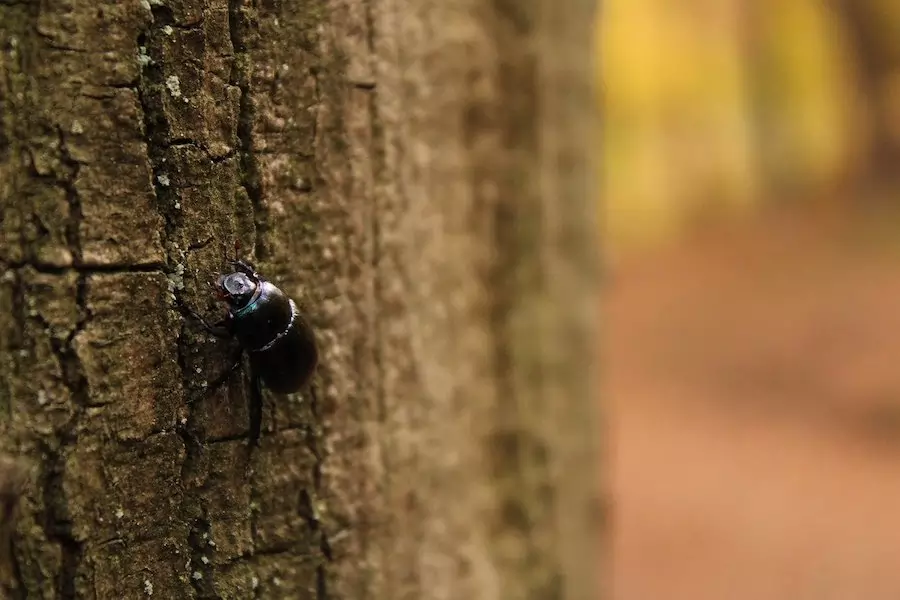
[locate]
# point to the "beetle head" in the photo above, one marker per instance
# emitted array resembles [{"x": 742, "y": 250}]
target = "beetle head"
[{"x": 237, "y": 289}]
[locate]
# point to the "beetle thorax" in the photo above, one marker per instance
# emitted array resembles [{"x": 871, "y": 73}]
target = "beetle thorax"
[{"x": 238, "y": 289}]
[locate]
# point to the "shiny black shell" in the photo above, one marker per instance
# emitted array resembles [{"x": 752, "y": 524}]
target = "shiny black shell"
[{"x": 279, "y": 341}]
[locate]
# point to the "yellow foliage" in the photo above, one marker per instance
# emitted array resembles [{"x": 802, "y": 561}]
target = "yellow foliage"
[{"x": 706, "y": 101}]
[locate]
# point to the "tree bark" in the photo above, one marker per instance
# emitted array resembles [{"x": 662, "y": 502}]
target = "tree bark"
[{"x": 418, "y": 177}]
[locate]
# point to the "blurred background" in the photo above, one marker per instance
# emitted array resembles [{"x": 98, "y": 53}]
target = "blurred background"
[{"x": 752, "y": 217}]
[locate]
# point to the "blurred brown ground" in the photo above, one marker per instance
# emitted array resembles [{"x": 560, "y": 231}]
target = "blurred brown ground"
[{"x": 755, "y": 387}]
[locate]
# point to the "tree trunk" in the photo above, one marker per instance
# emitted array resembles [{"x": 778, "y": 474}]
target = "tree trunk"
[
  {"x": 877, "y": 55},
  {"x": 417, "y": 176}
]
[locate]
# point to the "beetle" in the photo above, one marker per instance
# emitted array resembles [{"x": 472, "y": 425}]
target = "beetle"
[{"x": 269, "y": 328}]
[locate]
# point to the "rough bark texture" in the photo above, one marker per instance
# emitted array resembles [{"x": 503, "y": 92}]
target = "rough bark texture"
[{"x": 416, "y": 175}]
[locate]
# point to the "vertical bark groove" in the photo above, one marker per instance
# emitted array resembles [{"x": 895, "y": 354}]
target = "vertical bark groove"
[
  {"x": 157, "y": 136},
  {"x": 249, "y": 168},
  {"x": 58, "y": 520}
]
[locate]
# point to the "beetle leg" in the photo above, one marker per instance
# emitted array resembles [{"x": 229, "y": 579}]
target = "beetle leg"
[
  {"x": 220, "y": 329},
  {"x": 244, "y": 267},
  {"x": 255, "y": 409}
]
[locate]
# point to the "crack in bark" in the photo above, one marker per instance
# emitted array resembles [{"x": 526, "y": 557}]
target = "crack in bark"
[
  {"x": 57, "y": 522},
  {"x": 249, "y": 180},
  {"x": 84, "y": 269},
  {"x": 151, "y": 95},
  {"x": 242, "y": 436},
  {"x": 249, "y": 166},
  {"x": 67, "y": 182}
]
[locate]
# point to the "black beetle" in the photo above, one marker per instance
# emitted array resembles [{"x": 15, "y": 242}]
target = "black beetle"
[{"x": 270, "y": 329}]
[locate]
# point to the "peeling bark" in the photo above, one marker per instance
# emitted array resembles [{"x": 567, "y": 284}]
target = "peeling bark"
[{"x": 417, "y": 177}]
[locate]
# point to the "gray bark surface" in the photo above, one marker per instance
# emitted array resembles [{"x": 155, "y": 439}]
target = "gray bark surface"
[{"x": 417, "y": 177}]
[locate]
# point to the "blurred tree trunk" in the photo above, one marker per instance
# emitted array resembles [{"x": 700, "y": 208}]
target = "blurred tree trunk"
[
  {"x": 753, "y": 73},
  {"x": 417, "y": 176},
  {"x": 876, "y": 46}
]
